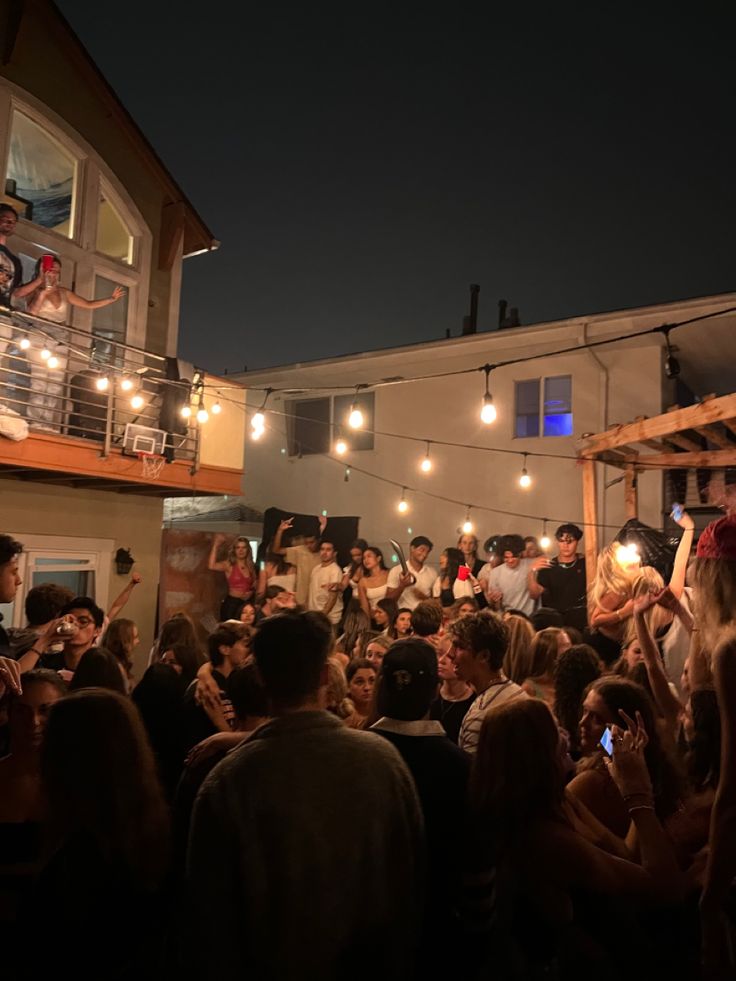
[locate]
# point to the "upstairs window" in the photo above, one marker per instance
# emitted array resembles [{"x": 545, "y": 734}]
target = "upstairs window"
[
  {"x": 113, "y": 236},
  {"x": 41, "y": 175},
  {"x": 313, "y": 424},
  {"x": 553, "y": 417},
  {"x": 109, "y": 324}
]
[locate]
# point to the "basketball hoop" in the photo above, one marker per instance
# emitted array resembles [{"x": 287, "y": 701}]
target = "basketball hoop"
[{"x": 151, "y": 465}]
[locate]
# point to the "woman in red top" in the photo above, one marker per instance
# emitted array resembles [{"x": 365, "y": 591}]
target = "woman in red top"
[{"x": 240, "y": 573}]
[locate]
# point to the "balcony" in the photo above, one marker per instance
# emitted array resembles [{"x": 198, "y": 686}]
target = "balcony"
[{"x": 88, "y": 434}]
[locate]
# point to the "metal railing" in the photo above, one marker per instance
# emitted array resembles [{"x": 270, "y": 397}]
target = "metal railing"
[{"x": 52, "y": 376}]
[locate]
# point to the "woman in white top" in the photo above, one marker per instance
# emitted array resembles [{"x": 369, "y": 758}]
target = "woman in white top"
[
  {"x": 353, "y": 573},
  {"x": 372, "y": 585}
]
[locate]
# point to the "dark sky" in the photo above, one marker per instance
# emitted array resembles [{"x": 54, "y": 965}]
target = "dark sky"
[{"x": 362, "y": 167}]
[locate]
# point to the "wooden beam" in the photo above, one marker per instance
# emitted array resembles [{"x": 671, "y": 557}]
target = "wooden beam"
[
  {"x": 631, "y": 493},
  {"x": 707, "y": 459},
  {"x": 714, "y": 410},
  {"x": 730, "y": 424},
  {"x": 714, "y": 436},
  {"x": 684, "y": 443},
  {"x": 590, "y": 519}
]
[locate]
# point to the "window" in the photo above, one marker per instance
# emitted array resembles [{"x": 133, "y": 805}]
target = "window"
[
  {"x": 558, "y": 406},
  {"x": 312, "y": 424},
  {"x": 527, "y": 408},
  {"x": 109, "y": 323},
  {"x": 555, "y": 417},
  {"x": 113, "y": 237},
  {"x": 42, "y": 175},
  {"x": 309, "y": 426}
]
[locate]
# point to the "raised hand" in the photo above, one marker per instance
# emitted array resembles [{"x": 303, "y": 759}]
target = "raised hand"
[
  {"x": 286, "y": 524},
  {"x": 645, "y": 602},
  {"x": 117, "y": 293},
  {"x": 9, "y": 677},
  {"x": 541, "y": 563}
]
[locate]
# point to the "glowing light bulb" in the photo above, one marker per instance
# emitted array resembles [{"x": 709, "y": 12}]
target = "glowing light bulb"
[
  {"x": 258, "y": 421},
  {"x": 24, "y": 344},
  {"x": 403, "y": 505},
  {"x": 426, "y": 465},
  {"x": 45, "y": 354},
  {"x": 488, "y": 410},
  {"x": 202, "y": 414},
  {"x": 53, "y": 361},
  {"x": 627, "y": 555},
  {"x": 256, "y": 434},
  {"x": 216, "y": 409},
  {"x": 185, "y": 411},
  {"x": 341, "y": 447},
  {"x": 525, "y": 480},
  {"x": 126, "y": 384},
  {"x": 544, "y": 542},
  {"x": 137, "y": 402},
  {"x": 102, "y": 383},
  {"x": 467, "y": 526},
  {"x": 355, "y": 419}
]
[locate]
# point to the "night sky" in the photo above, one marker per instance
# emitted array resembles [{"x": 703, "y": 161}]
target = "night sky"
[{"x": 363, "y": 166}]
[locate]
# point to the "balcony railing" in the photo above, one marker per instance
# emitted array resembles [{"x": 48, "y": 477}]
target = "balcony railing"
[{"x": 52, "y": 375}]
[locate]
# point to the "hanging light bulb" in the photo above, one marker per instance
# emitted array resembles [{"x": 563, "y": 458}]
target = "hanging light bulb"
[
  {"x": 544, "y": 541},
  {"x": 426, "y": 465},
  {"x": 102, "y": 383},
  {"x": 488, "y": 409},
  {"x": 202, "y": 414},
  {"x": 467, "y": 527},
  {"x": 53, "y": 361},
  {"x": 355, "y": 419},
  {"x": 24, "y": 344},
  {"x": 45, "y": 354},
  {"x": 403, "y": 505},
  {"x": 341, "y": 447},
  {"x": 258, "y": 419},
  {"x": 126, "y": 383},
  {"x": 185, "y": 411},
  {"x": 137, "y": 402},
  {"x": 347, "y": 475},
  {"x": 257, "y": 433},
  {"x": 216, "y": 409},
  {"x": 525, "y": 480}
]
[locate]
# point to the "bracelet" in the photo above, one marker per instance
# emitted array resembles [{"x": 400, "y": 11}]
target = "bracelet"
[
  {"x": 640, "y": 807},
  {"x": 34, "y": 650}
]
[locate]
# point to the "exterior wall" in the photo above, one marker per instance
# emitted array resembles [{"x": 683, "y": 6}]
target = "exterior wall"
[
  {"x": 610, "y": 385},
  {"x": 130, "y": 521},
  {"x": 42, "y": 58},
  {"x": 223, "y": 436}
]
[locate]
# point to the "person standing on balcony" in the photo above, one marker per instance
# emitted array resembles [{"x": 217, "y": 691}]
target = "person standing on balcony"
[
  {"x": 51, "y": 301},
  {"x": 240, "y": 573}
]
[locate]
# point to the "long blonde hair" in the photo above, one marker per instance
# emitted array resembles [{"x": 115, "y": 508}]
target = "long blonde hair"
[
  {"x": 610, "y": 576},
  {"x": 517, "y": 661},
  {"x": 715, "y": 598}
]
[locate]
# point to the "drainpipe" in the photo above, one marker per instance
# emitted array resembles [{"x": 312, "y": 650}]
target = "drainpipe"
[{"x": 602, "y": 424}]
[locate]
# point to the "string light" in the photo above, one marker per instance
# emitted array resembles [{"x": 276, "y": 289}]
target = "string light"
[
  {"x": 45, "y": 354},
  {"x": 403, "y": 505},
  {"x": 126, "y": 383},
  {"x": 467, "y": 527},
  {"x": 24, "y": 343},
  {"x": 341, "y": 447},
  {"x": 627, "y": 555},
  {"x": 355, "y": 417},
  {"x": 258, "y": 419},
  {"x": 185, "y": 411},
  {"x": 525, "y": 480},
  {"x": 426, "y": 465},
  {"x": 257, "y": 433},
  {"x": 347, "y": 474},
  {"x": 488, "y": 409},
  {"x": 544, "y": 541},
  {"x": 216, "y": 409},
  {"x": 202, "y": 414},
  {"x": 137, "y": 402},
  {"x": 53, "y": 361},
  {"x": 102, "y": 383}
]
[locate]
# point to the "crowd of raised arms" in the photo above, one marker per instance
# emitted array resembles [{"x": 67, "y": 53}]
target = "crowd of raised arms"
[{"x": 480, "y": 770}]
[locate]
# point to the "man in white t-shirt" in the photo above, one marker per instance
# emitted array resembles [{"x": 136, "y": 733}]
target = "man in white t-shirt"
[
  {"x": 508, "y": 585},
  {"x": 327, "y": 574},
  {"x": 400, "y": 588}
]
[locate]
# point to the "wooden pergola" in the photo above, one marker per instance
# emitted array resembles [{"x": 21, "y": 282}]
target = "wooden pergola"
[{"x": 661, "y": 442}]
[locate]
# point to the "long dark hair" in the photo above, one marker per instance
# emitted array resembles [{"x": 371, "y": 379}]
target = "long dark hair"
[
  {"x": 378, "y": 554},
  {"x": 576, "y": 668},
  {"x": 99, "y": 777},
  {"x": 178, "y": 630},
  {"x": 362, "y": 544},
  {"x": 455, "y": 559},
  {"x": 118, "y": 639}
]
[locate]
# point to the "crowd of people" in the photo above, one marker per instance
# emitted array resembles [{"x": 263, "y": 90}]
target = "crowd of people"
[{"x": 484, "y": 769}]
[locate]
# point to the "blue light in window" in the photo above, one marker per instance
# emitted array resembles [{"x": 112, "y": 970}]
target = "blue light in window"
[{"x": 558, "y": 425}]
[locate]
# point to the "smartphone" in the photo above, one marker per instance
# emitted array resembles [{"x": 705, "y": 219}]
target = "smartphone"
[
  {"x": 463, "y": 572},
  {"x": 606, "y": 741},
  {"x": 262, "y": 564},
  {"x": 677, "y": 510},
  {"x": 47, "y": 263}
]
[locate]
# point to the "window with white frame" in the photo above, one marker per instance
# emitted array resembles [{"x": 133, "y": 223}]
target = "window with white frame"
[
  {"x": 80, "y": 564},
  {"x": 313, "y": 423},
  {"x": 543, "y": 406},
  {"x": 72, "y": 206}
]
